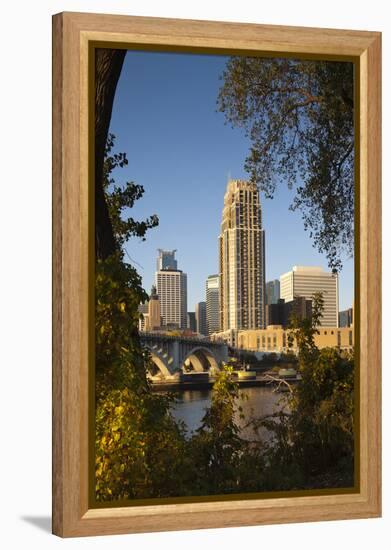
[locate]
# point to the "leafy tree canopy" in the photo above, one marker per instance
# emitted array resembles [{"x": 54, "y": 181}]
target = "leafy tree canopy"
[
  {"x": 119, "y": 198},
  {"x": 118, "y": 286},
  {"x": 136, "y": 436},
  {"x": 298, "y": 116},
  {"x": 141, "y": 451},
  {"x": 316, "y": 439}
]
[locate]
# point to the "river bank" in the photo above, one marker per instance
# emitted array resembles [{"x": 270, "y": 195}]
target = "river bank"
[{"x": 255, "y": 401}]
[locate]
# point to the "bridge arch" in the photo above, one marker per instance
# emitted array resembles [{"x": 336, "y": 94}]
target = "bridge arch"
[
  {"x": 159, "y": 362},
  {"x": 200, "y": 359}
]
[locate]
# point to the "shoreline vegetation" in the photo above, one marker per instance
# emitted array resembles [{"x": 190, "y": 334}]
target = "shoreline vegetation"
[
  {"x": 299, "y": 117},
  {"x": 141, "y": 451}
]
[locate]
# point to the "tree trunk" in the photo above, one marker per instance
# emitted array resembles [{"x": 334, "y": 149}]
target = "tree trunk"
[{"x": 108, "y": 65}]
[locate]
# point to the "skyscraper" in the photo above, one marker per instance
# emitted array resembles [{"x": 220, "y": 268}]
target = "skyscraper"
[
  {"x": 272, "y": 291},
  {"x": 150, "y": 319},
  {"x": 191, "y": 321},
  {"x": 212, "y": 304},
  {"x": 242, "y": 258},
  {"x": 166, "y": 260},
  {"x": 154, "y": 319},
  {"x": 143, "y": 310},
  {"x": 200, "y": 314},
  {"x": 346, "y": 317},
  {"x": 171, "y": 284},
  {"x": 281, "y": 312},
  {"x": 306, "y": 281}
]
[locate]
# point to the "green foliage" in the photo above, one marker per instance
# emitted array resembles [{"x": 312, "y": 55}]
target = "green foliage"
[
  {"x": 247, "y": 357},
  {"x": 120, "y": 359},
  {"x": 136, "y": 435},
  {"x": 317, "y": 436},
  {"x": 119, "y": 355},
  {"x": 142, "y": 452},
  {"x": 217, "y": 444},
  {"x": 298, "y": 116},
  {"x": 140, "y": 449},
  {"x": 223, "y": 461},
  {"x": 121, "y": 198},
  {"x": 322, "y": 413},
  {"x": 303, "y": 330}
]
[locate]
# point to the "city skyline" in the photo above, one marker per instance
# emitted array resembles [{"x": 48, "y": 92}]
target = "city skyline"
[
  {"x": 213, "y": 168},
  {"x": 185, "y": 173}
]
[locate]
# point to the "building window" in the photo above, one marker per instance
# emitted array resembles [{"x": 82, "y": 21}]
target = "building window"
[{"x": 350, "y": 338}]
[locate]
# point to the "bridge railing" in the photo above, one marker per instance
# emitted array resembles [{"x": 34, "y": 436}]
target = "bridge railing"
[{"x": 165, "y": 336}]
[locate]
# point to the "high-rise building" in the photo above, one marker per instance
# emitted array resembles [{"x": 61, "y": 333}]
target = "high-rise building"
[
  {"x": 191, "y": 321},
  {"x": 281, "y": 312},
  {"x": 275, "y": 313},
  {"x": 300, "y": 308},
  {"x": 171, "y": 284},
  {"x": 346, "y": 318},
  {"x": 143, "y": 310},
  {"x": 272, "y": 291},
  {"x": 242, "y": 258},
  {"x": 151, "y": 319},
  {"x": 200, "y": 315},
  {"x": 154, "y": 318},
  {"x": 213, "y": 304},
  {"x": 166, "y": 260},
  {"x": 306, "y": 281}
]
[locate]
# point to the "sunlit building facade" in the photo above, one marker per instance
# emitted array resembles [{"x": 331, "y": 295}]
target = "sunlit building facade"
[
  {"x": 242, "y": 258},
  {"x": 272, "y": 291},
  {"x": 306, "y": 281},
  {"x": 171, "y": 285},
  {"x": 200, "y": 315},
  {"x": 275, "y": 339},
  {"x": 213, "y": 304}
]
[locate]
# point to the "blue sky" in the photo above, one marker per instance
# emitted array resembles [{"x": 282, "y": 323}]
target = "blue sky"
[{"x": 180, "y": 150}]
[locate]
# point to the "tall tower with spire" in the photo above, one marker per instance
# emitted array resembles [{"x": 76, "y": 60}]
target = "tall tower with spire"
[{"x": 242, "y": 258}]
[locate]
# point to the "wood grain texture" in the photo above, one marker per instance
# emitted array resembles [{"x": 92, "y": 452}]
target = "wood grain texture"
[
  {"x": 371, "y": 258},
  {"x": 57, "y": 435},
  {"x": 222, "y": 35},
  {"x": 72, "y": 34}
]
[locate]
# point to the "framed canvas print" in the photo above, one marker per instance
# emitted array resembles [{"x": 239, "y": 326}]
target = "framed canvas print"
[{"x": 216, "y": 295}]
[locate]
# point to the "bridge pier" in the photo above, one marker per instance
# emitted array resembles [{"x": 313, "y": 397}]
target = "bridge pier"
[
  {"x": 175, "y": 355},
  {"x": 169, "y": 353}
]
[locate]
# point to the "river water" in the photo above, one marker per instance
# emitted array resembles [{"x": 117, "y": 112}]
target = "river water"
[{"x": 257, "y": 401}]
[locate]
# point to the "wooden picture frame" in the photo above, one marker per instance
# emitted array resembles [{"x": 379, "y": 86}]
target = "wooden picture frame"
[{"x": 73, "y": 36}]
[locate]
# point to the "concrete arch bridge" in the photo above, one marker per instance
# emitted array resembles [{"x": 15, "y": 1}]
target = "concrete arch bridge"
[{"x": 172, "y": 355}]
